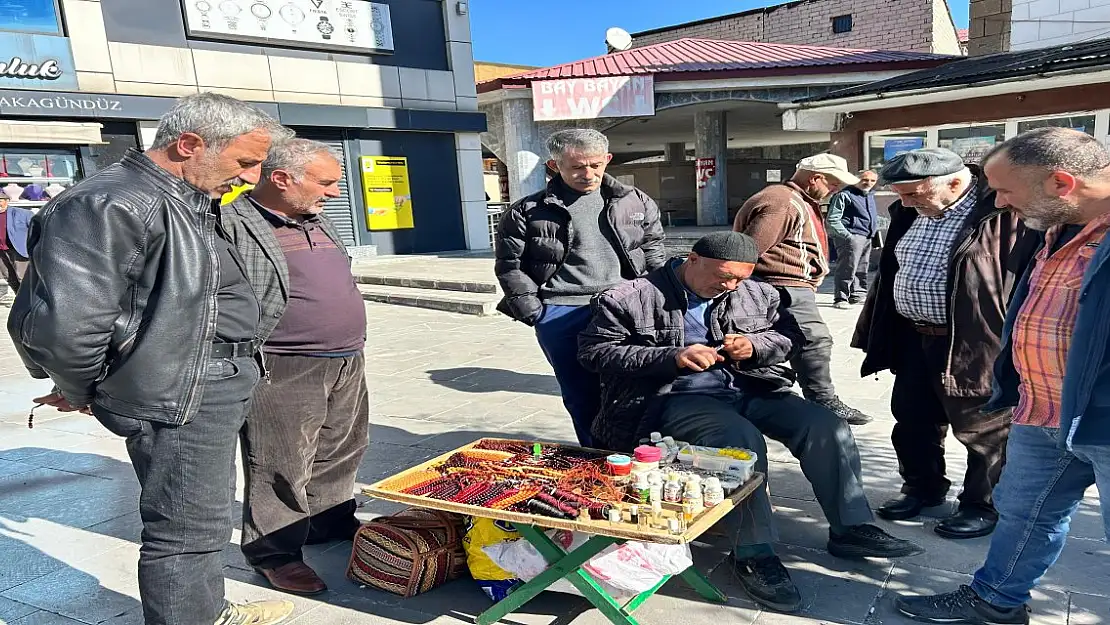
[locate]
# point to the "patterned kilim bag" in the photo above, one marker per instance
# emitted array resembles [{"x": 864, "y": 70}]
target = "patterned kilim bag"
[{"x": 408, "y": 553}]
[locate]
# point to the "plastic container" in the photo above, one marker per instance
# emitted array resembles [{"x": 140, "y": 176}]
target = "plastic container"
[
  {"x": 641, "y": 489},
  {"x": 712, "y": 492},
  {"x": 655, "y": 437},
  {"x": 672, "y": 490},
  {"x": 618, "y": 464},
  {"x": 647, "y": 454},
  {"x": 693, "y": 497}
]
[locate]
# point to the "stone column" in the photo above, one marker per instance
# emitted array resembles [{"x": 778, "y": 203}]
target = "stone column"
[
  {"x": 524, "y": 152},
  {"x": 674, "y": 152},
  {"x": 711, "y": 167}
]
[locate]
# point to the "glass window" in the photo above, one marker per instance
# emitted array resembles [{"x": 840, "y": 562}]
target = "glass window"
[
  {"x": 30, "y": 16},
  {"x": 1082, "y": 123},
  {"x": 30, "y": 177},
  {"x": 972, "y": 142},
  {"x": 882, "y": 148}
]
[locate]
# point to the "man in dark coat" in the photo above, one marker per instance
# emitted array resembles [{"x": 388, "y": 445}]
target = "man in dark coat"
[
  {"x": 558, "y": 248},
  {"x": 698, "y": 351},
  {"x": 935, "y": 320}
]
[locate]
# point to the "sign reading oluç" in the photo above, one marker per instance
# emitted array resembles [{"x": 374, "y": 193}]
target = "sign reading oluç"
[
  {"x": 590, "y": 98},
  {"x": 36, "y": 62}
]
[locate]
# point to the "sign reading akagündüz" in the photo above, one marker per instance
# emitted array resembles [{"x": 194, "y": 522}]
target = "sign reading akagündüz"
[{"x": 18, "y": 68}]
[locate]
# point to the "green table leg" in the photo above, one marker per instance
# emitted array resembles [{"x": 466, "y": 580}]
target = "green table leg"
[
  {"x": 703, "y": 586},
  {"x": 563, "y": 565}
]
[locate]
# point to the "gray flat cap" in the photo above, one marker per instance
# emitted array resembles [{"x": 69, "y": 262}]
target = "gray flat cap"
[{"x": 917, "y": 165}]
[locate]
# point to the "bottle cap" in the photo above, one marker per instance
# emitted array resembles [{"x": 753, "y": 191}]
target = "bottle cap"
[
  {"x": 645, "y": 453},
  {"x": 614, "y": 516},
  {"x": 655, "y": 437},
  {"x": 712, "y": 482}
]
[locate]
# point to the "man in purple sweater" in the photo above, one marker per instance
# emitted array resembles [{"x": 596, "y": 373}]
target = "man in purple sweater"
[{"x": 309, "y": 423}]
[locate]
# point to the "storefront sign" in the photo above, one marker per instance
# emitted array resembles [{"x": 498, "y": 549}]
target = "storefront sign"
[
  {"x": 971, "y": 149},
  {"x": 704, "y": 169},
  {"x": 385, "y": 183},
  {"x": 36, "y": 62},
  {"x": 590, "y": 98},
  {"x": 352, "y": 25},
  {"x": 901, "y": 145}
]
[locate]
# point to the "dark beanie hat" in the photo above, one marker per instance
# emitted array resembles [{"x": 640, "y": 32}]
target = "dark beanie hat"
[{"x": 731, "y": 246}]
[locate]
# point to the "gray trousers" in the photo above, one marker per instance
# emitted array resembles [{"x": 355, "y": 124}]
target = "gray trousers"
[
  {"x": 821, "y": 441},
  {"x": 853, "y": 259},
  {"x": 813, "y": 362},
  {"x": 187, "y": 475},
  {"x": 302, "y": 445}
]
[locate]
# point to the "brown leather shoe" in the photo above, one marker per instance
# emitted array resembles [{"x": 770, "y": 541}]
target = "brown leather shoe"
[{"x": 296, "y": 577}]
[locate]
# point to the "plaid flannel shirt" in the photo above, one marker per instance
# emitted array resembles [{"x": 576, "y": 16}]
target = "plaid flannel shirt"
[
  {"x": 1044, "y": 326},
  {"x": 923, "y": 254}
]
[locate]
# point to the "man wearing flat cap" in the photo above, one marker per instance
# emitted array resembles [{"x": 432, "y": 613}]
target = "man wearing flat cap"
[
  {"x": 699, "y": 352},
  {"x": 935, "y": 319},
  {"x": 784, "y": 219}
]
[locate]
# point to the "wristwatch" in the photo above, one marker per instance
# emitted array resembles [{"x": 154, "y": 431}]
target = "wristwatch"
[{"x": 325, "y": 27}]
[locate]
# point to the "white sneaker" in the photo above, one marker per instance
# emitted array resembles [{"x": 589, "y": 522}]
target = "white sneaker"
[{"x": 256, "y": 613}]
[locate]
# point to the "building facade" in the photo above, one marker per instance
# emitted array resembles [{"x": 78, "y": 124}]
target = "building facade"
[
  {"x": 911, "y": 25},
  {"x": 1015, "y": 25},
  {"x": 81, "y": 81}
]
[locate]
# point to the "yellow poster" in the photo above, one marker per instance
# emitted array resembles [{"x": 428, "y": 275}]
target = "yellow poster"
[
  {"x": 235, "y": 192},
  {"x": 385, "y": 181}
]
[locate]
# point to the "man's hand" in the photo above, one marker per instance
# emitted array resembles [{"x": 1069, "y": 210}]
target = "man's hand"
[
  {"x": 59, "y": 403},
  {"x": 698, "y": 358},
  {"x": 738, "y": 347}
]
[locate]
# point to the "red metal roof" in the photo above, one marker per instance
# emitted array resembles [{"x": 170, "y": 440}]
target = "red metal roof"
[{"x": 684, "y": 56}]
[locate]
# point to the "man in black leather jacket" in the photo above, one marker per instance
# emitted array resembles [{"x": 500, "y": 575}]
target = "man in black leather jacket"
[
  {"x": 138, "y": 308},
  {"x": 559, "y": 247}
]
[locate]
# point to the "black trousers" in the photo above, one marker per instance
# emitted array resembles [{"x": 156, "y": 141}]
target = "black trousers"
[
  {"x": 924, "y": 414},
  {"x": 302, "y": 445},
  {"x": 15, "y": 267},
  {"x": 813, "y": 363}
]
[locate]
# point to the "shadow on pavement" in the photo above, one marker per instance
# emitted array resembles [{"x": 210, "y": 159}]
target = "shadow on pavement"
[{"x": 484, "y": 380}]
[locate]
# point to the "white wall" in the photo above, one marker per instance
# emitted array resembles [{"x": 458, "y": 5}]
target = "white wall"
[{"x": 1041, "y": 23}]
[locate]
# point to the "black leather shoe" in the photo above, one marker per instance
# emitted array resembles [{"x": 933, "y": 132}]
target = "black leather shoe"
[
  {"x": 967, "y": 523},
  {"x": 905, "y": 507}
]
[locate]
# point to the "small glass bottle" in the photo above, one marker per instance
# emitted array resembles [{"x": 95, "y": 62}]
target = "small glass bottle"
[
  {"x": 693, "y": 497},
  {"x": 672, "y": 490},
  {"x": 713, "y": 494}
]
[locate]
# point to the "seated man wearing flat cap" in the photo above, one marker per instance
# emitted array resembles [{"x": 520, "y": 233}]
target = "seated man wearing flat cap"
[
  {"x": 698, "y": 351},
  {"x": 934, "y": 318}
]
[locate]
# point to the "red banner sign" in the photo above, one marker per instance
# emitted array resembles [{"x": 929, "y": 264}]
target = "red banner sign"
[{"x": 590, "y": 98}]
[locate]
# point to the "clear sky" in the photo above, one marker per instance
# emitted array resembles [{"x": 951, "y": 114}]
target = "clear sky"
[{"x": 534, "y": 32}]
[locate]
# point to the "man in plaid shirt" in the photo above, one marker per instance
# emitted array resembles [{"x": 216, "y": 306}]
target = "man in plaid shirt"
[
  {"x": 1058, "y": 180},
  {"x": 935, "y": 320}
]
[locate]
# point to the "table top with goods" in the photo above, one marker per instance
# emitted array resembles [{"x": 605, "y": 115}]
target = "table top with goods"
[{"x": 667, "y": 492}]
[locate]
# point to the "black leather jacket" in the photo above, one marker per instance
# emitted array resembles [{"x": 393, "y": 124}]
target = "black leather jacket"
[{"x": 119, "y": 307}]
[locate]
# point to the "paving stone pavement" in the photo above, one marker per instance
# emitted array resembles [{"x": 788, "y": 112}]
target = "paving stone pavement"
[{"x": 69, "y": 526}]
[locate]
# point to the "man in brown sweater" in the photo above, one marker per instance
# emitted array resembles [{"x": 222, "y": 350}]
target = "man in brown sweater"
[{"x": 785, "y": 221}]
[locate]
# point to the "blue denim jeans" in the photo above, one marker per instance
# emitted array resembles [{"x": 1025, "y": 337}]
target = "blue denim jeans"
[
  {"x": 557, "y": 332},
  {"x": 1041, "y": 487}
]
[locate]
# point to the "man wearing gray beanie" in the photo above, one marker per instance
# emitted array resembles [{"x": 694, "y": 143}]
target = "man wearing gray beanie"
[{"x": 700, "y": 352}]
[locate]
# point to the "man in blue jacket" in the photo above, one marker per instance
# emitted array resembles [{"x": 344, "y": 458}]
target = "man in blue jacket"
[
  {"x": 1058, "y": 180},
  {"x": 14, "y": 222},
  {"x": 853, "y": 222}
]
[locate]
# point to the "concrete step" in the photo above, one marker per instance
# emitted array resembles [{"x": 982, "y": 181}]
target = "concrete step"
[
  {"x": 479, "y": 304},
  {"x": 382, "y": 277}
]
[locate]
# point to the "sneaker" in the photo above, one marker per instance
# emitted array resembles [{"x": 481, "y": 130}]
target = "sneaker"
[
  {"x": 855, "y": 301},
  {"x": 256, "y": 613},
  {"x": 868, "y": 541},
  {"x": 961, "y": 606},
  {"x": 768, "y": 583},
  {"x": 850, "y": 415},
  {"x": 842, "y": 305}
]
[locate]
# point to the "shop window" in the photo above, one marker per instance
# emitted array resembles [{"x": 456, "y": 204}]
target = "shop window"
[
  {"x": 842, "y": 24},
  {"x": 30, "y": 177},
  {"x": 1082, "y": 123},
  {"x": 882, "y": 148},
  {"x": 30, "y": 16},
  {"x": 972, "y": 143}
]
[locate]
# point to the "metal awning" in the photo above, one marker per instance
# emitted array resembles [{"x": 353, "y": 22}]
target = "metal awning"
[{"x": 47, "y": 132}]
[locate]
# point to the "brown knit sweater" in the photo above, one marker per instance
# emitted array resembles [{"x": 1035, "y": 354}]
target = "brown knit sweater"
[{"x": 786, "y": 225}]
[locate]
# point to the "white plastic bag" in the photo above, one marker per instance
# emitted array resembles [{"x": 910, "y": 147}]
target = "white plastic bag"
[{"x": 623, "y": 571}]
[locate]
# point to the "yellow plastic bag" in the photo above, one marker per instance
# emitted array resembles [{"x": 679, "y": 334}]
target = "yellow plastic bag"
[{"x": 482, "y": 533}]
